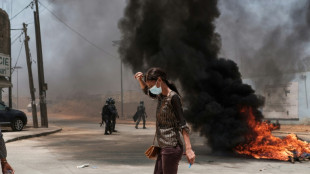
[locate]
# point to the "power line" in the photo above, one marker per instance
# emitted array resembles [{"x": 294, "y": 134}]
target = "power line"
[
  {"x": 50, "y": 3},
  {"x": 15, "y": 35},
  {"x": 76, "y": 32},
  {"x": 18, "y": 37},
  {"x": 20, "y": 50},
  {"x": 30, "y": 20},
  {"x": 29, "y": 5}
]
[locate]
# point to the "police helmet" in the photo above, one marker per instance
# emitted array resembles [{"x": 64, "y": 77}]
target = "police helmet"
[{"x": 108, "y": 101}]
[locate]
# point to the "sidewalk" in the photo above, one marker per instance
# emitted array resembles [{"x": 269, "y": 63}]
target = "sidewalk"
[{"x": 28, "y": 132}]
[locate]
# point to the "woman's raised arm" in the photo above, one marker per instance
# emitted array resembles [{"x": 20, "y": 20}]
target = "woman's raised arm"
[{"x": 139, "y": 76}]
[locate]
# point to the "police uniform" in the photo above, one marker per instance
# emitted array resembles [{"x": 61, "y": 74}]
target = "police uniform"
[
  {"x": 107, "y": 113},
  {"x": 114, "y": 114},
  {"x": 140, "y": 114}
]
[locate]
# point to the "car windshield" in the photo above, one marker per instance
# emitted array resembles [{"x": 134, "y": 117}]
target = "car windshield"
[{"x": 2, "y": 107}]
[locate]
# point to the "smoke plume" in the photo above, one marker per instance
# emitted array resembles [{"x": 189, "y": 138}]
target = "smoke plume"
[
  {"x": 179, "y": 36},
  {"x": 71, "y": 64},
  {"x": 270, "y": 40}
]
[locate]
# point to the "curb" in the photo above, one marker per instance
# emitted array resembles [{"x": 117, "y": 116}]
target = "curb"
[
  {"x": 297, "y": 133},
  {"x": 34, "y": 135}
]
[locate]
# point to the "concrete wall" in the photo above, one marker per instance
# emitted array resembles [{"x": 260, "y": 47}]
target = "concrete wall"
[{"x": 303, "y": 80}]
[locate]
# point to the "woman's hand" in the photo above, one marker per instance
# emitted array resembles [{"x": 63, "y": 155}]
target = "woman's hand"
[
  {"x": 190, "y": 155},
  {"x": 139, "y": 75},
  {"x": 6, "y": 167}
]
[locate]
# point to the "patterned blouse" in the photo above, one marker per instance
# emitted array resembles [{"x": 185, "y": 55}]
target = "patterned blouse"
[
  {"x": 169, "y": 119},
  {"x": 2, "y": 146}
]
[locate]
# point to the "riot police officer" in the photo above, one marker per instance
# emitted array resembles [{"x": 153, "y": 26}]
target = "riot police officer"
[
  {"x": 113, "y": 115},
  {"x": 107, "y": 112},
  {"x": 140, "y": 114}
]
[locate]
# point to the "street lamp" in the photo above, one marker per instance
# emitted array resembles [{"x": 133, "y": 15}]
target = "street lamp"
[{"x": 17, "y": 67}]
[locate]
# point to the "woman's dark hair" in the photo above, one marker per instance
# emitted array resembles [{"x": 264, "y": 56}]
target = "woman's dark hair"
[{"x": 154, "y": 73}]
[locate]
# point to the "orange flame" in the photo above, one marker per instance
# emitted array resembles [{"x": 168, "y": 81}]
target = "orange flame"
[{"x": 265, "y": 145}]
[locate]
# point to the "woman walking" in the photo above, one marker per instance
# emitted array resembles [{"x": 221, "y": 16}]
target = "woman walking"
[{"x": 169, "y": 121}]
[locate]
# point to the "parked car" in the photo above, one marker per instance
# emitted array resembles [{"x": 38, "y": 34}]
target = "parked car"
[{"x": 13, "y": 118}]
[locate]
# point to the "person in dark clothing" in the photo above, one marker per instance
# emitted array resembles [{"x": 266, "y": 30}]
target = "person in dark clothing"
[
  {"x": 107, "y": 112},
  {"x": 103, "y": 117},
  {"x": 141, "y": 114},
  {"x": 114, "y": 114}
]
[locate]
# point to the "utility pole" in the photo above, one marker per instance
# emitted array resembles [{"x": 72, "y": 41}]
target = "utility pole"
[
  {"x": 10, "y": 80},
  {"x": 122, "y": 95},
  {"x": 42, "y": 84},
  {"x": 10, "y": 77},
  {"x": 31, "y": 86},
  {"x": 17, "y": 98}
]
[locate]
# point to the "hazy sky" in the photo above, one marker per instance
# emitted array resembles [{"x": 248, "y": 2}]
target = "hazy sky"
[{"x": 71, "y": 64}]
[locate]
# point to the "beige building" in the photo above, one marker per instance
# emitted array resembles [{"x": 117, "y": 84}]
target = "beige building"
[{"x": 5, "y": 50}]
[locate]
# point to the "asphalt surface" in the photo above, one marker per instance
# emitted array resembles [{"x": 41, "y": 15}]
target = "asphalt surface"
[{"x": 82, "y": 142}]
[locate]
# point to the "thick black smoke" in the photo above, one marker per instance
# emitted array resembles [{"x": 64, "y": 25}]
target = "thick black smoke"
[{"x": 179, "y": 36}]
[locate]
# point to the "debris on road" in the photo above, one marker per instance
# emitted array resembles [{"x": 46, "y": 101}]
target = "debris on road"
[{"x": 82, "y": 166}]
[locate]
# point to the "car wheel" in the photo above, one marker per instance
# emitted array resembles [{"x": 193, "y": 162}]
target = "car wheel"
[{"x": 17, "y": 124}]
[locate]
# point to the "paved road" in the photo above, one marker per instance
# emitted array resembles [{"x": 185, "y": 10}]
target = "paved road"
[{"x": 122, "y": 152}]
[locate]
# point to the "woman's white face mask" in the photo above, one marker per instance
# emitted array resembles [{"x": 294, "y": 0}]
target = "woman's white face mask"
[{"x": 155, "y": 90}]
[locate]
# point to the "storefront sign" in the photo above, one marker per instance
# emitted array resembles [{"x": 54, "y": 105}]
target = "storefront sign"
[{"x": 5, "y": 65}]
